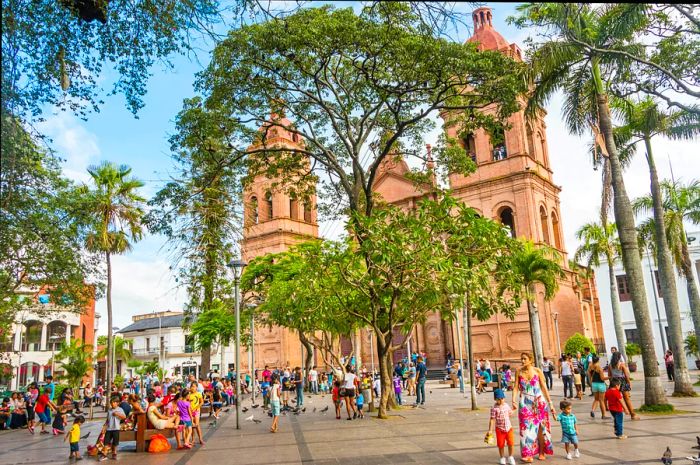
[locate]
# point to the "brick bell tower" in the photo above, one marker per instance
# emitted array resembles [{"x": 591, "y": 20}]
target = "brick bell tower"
[
  {"x": 275, "y": 220},
  {"x": 513, "y": 184}
]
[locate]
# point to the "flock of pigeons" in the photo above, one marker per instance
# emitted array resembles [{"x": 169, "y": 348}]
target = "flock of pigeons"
[{"x": 667, "y": 458}]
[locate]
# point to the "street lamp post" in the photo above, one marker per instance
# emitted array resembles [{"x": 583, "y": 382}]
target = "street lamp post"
[
  {"x": 555, "y": 315},
  {"x": 237, "y": 268}
]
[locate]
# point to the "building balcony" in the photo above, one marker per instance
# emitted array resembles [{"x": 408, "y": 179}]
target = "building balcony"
[{"x": 172, "y": 350}]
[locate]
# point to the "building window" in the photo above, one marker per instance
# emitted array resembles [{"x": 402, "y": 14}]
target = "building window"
[
  {"x": 632, "y": 335},
  {"x": 268, "y": 205},
  {"x": 498, "y": 144},
  {"x": 307, "y": 212},
  {"x": 148, "y": 344},
  {"x": 56, "y": 334},
  {"x": 469, "y": 145},
  {"x": 293, "y": 207},
  {"x": 31, "y": 340},
  {"x": 253, "y": 215},
  {"x": 544, "y": 224},
  {"x": 507, "y": 219},
  {"x": 657, "y": 282},
  {"x": 189, "y": 344},
  {"x": 623, "y": 289}
]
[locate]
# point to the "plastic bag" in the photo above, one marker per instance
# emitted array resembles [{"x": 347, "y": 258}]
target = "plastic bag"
[
  {"x": 490, "y": 439},
  {"x": 159, "y": 443}
]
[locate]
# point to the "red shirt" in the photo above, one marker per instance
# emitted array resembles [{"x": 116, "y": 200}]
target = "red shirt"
[
  {"x": 335, "y": 393},
  {"x": 614, "y": 399},
  {"x": 41, "y": 403}
]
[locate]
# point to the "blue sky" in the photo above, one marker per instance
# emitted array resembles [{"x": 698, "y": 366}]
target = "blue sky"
[{"x": 142, "y": 282}]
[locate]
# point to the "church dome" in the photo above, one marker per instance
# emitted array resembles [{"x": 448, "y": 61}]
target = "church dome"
[{"x": 484, "y": 33}]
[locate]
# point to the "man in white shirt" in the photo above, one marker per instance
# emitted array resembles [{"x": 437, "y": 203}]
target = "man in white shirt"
[{"x": 313, "y": 380}]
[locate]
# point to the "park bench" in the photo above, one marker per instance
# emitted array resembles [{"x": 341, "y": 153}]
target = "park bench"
[{"x": 143, "y": 434}]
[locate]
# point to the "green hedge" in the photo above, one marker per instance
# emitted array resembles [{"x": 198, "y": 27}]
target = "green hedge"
[{"x": 576, "y": 343}]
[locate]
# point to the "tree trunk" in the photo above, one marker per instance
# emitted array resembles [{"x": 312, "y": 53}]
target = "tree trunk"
[
  {"x": 535, "y": 331},
  {"x": 682, "y": 385},
  {"x": 617, "y": 314},
  {"x": 308, "y": 359},
  {"x": 206, "y": 362},
  {"x": 692, "y": 285},
  {"x": 467, "y": 328},
  {"x": 385, "y": 374},
  {"x": 624, "y": 217},
  {"x": 108, "y": 361}
]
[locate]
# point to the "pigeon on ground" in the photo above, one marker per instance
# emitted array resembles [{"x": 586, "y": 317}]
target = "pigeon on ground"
[
  {"x": 324, "y": 410},
  {"x": 314, "y": 409},
  {"x": 694, "y": 460},
  {"x": 431, "y": 392},
  {"x": 244, "y": 409},
  {"x": 250, "y": 418},
  {"x": 303, "y": 410},
  {"x": 667, "y": 458},
  {"x": 86, "y": 436},
  {"x": 255, "y": 405},
  {"x": 698, "y": 446},
  {"x": 227, "y": 409},
  {"x": 256, "y": 420}
]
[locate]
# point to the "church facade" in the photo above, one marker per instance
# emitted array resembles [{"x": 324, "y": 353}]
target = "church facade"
[{"x": 512, "y": 184}]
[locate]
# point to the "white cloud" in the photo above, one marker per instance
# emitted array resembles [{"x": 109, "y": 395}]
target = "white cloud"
[{"x": 72, "y": 142}]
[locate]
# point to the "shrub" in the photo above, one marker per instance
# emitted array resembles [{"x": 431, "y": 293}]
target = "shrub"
[
  {"x": 632, "y": 349},
  {"x": 691, "y": 345},
  {"x": 577, "y": 342}
]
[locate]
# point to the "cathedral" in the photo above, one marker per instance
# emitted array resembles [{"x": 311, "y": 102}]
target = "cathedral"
[{"x": 512, "y": 184}]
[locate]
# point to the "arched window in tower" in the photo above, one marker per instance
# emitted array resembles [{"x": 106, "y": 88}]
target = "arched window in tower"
[
  {"x": 507, "y": 219},
  {"x": 307, "y": 212},
  {"x": 498, "y": 144},
  {"x": 544, "y": 225},
  {"x": 253, "y": 217},
  {"x": 293, "y": 207},
  {"x": 556, "y": 231},
  {"x": 268, "y": 205},
  {"x": 469, "y": 144},
  {"x": 542, "y": 148},
  {"x": 295, "y": 137}
]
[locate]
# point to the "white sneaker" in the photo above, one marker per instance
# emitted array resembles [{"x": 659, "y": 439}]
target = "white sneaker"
[
  {"x": 577, "y": 454},
  {"x": 511, "y": 460},
  {"x": 568, "y": 456},
  {"x": 502, "y": 461}
]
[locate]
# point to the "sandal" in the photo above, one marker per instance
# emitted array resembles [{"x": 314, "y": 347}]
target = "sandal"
[{"x": 541, "y": 457}]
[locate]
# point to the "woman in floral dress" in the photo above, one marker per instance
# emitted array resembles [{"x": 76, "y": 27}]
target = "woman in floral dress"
[{"x": 531, "y": 397}]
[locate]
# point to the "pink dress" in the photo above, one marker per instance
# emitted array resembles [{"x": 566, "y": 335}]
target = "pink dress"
[{"x": 533, "y": 414}]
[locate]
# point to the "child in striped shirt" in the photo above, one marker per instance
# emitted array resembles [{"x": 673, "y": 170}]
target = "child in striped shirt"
[{"x": 500, "y": 422}]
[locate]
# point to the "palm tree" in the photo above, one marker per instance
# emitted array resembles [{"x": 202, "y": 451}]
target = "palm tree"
[
  {"x": 577, "y": 59},
  {"x": 75, "y": 358},
  {"x": 533, "y": 265},
  {"x": 121, "y": 349},
  {"x": 601, "y": 242},
  {"x": 642, "y": 121},
  {"x": 681, "y": 203},
  {"x": 116, "y": 209}
]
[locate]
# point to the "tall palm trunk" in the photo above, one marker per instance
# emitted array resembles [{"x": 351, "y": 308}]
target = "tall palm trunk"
[
  {"x": 682, "y": 384},
  {"x": 692, "y": 285},
  {"x": 617, "y": 315},
  {"x": 535, "y": 330},
  {"x": 109, "y": 362},
  {"x": 624, "y": 217}
]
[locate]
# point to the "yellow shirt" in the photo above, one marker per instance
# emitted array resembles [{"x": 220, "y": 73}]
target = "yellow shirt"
[
  {"x": 75, "y": 433},
  {"x": 196, "y": 401}
]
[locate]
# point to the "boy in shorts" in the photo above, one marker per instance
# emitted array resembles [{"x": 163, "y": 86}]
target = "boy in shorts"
[
  {"x": 115, "y": 416},
  {"x": 569, "y": 428},
  {"x": 500, "y": 422}
]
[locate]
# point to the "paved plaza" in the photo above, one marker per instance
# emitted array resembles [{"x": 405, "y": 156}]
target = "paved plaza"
[{"x": 444, "y": 432}]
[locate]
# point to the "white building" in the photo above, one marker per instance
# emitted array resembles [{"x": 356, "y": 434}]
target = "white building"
[
  {"x": 36, "y": 335},
  {"x": 657, "y": 311},
  {"x": 160, "y": 336}
]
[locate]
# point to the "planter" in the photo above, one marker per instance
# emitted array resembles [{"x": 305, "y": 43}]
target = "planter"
[{"x": 633, "y": 366}]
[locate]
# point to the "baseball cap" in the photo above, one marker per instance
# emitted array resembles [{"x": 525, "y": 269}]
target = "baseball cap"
[{"x": 499, "y": 394}]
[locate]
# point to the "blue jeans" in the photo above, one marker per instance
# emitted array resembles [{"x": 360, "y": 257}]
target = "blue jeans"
[
  {"x": 618, "y": 417},
  {"x": 420, "y": 391},
  {"x": 568, "y": 383},
  {"x": 398, "y": 397},
  {"x": 300, "y": 396}
]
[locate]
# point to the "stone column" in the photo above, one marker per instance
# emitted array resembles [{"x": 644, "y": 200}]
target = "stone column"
[
  {"x": 68, "y": 333},
  {"x": 42, "y": 341},
  {"x": 18, "y": 336},
  {"x": 40, "y": 376}
]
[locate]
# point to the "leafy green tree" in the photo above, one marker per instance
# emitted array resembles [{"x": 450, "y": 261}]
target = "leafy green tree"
[
  {"x": 642, "y": 121},
  {"x": 199, "y": 211},
  {"x": 76, "y": 360},
  {"x": 577, "y": 342},
  {"x": 681, "y": 203},
  {"x": 52, "y": 53},
  {"x": 359, "y": 89},
  {"x": 565, "y": 60},
  {"x": 41, "y": 234},
  {"x": 115, "y": 207},
  {"x": 600, "y": 241},
  {"x": 121, "y": 348},
  {"x": 532, "y": 266}
]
